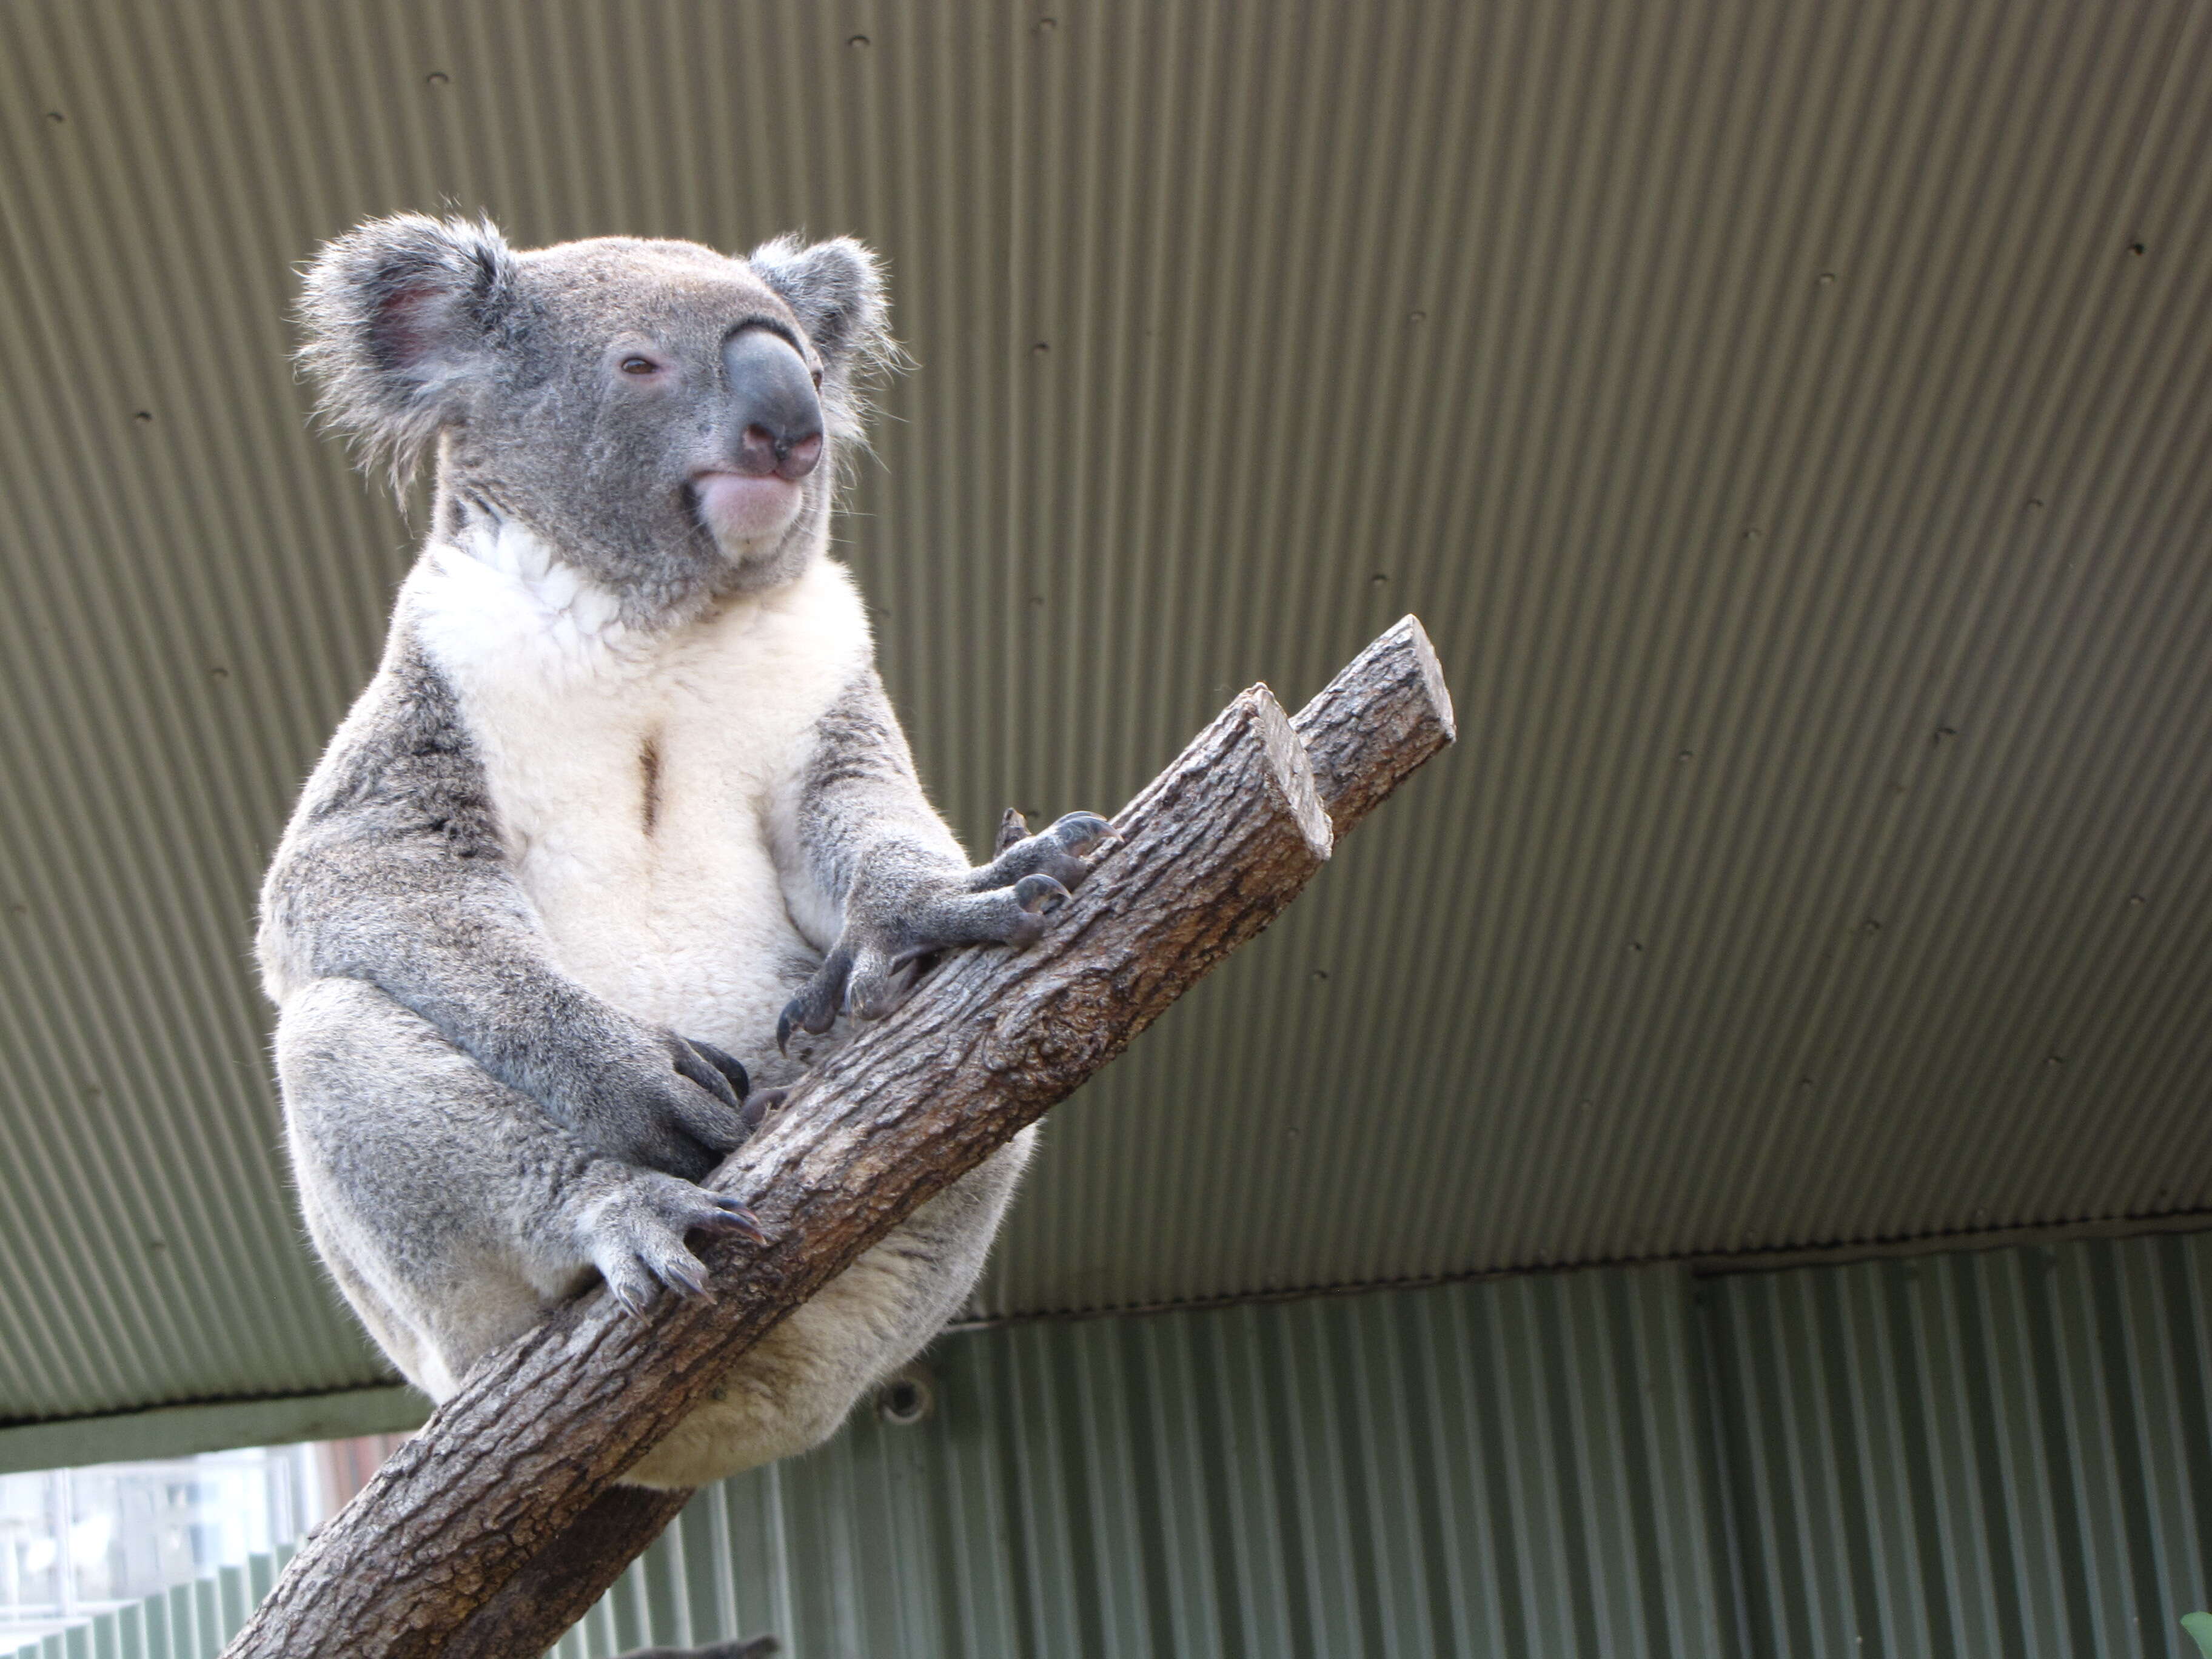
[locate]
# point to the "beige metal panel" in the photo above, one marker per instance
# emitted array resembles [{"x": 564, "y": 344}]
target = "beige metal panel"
[
  {"x": 1799, "y": 776},
  {"x": 1761, "y": 405}
]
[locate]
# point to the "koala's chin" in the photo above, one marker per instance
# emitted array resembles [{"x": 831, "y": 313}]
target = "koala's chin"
[
  {"x": 747, "y": 514},
  {"x": 760, "y": 528}
]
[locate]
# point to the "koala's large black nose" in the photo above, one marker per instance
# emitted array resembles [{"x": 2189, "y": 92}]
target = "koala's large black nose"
[{"x": 773, "y": 408}]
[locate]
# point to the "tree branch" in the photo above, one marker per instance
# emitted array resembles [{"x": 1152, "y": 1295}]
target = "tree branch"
[
  {"x": 529, "y": 1449},
  {"x": 1377, "y": 722},
  {"x": 561, "y": 1583}
]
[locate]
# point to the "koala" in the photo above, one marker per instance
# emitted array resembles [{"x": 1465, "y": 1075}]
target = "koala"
[{"x": 625, "y": 822}]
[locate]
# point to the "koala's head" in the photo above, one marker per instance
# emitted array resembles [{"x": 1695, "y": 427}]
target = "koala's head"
[{"x": 668, "y": 419}]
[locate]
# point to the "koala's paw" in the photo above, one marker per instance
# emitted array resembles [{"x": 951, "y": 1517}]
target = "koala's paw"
[
  {"x": 1059, "y": 850},
  {"x": 1033, "y": 875},
  {"x": 635, "y": 1234},
  {"x": 670, "y": 1103},
  {"x": 724, "y": 1078},
  {"x": 881, "y": 958}
]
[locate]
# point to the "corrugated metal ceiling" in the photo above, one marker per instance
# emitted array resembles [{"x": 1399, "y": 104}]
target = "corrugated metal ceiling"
[{"x": 1788, "y": 420}]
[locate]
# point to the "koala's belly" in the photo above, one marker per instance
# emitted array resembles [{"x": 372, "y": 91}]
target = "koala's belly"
[
  {"x": 637, "y": 825},
  {"x": 685, "y": 927}
]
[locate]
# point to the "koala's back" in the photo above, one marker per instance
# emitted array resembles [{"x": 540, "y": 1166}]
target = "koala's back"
[{"x": 636, "y": 781}]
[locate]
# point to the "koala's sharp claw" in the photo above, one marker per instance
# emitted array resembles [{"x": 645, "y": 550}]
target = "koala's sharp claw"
[
  {"x": 636, "y": 1228},
  {"x": 730, "y": 1216},
  {"x": 1080, "y": 832},
  {"x": 710, "y": 1070},
  {"x": 893, "y": 942},
  {"x": 686, "y": 1277},
  {"x": 709, "y": 1116},
  {"x": 740, "y": 1084},
  {"x": 814, "y": 1009},
  {"x": 1040, "y": 895}
]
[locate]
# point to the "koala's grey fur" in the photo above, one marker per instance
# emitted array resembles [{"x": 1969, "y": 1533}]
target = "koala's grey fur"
[{"x": 623, "y": 813}]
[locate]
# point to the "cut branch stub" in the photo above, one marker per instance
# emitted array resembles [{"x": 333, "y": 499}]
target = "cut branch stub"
[
  {"x": 1212, "y": 851},
  {"x": 1372, "y": 725}
]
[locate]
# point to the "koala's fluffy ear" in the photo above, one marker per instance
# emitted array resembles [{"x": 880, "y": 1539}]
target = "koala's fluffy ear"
[
  {"x": 398, "y": 312},
  {"x": 838, "y": 290}
]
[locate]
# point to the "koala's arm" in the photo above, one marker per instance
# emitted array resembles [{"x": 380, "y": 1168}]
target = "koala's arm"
[
  {"x": 393, "y": 872},
  {"x": 873, "y": 870}
]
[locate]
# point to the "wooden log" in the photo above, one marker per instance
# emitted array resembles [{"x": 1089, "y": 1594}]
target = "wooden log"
[
  {"x": 561, "y": 1583},
  {"x": 529, "y": 1449},
  {"x": 1376, "y": 722}
]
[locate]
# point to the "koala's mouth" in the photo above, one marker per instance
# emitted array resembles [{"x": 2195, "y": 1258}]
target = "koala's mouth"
[{"x": 737, "y": 507}]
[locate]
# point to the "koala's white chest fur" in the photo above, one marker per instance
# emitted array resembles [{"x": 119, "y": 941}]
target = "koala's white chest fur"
[{"x": 638, "y": 777}]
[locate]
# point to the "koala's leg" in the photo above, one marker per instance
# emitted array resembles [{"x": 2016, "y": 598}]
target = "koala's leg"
[
  {"x": 792, "y": 1388},
  {"x": 450, "y": 1208}
]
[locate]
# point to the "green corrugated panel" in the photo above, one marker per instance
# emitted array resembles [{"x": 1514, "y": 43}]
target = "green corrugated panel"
[
  {"x": 187, "y": 1621},
  {"x": 1996, "y": 1455},
  {"x": 2002, "y": 1455},
  {"x": 1509, "y": 1469},
  {"x": 2005, "y": 1454}
]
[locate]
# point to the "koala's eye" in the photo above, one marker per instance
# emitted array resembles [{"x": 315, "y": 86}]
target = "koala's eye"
[
  {"x": 635, "y": 365},
  {"x": 817, "y": 380}
]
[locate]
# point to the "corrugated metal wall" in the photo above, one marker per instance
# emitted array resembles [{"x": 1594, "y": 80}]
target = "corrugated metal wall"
[
  {"x": 1511, "y": 1468},
  {"x": 191, "y": 1621},
  {"x": 1999, "y": 1455},
  {"x": 2007, "y": 1454}
]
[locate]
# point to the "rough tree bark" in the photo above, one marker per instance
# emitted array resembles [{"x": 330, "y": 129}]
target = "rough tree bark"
[{"x": 511, "y": 1488}]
